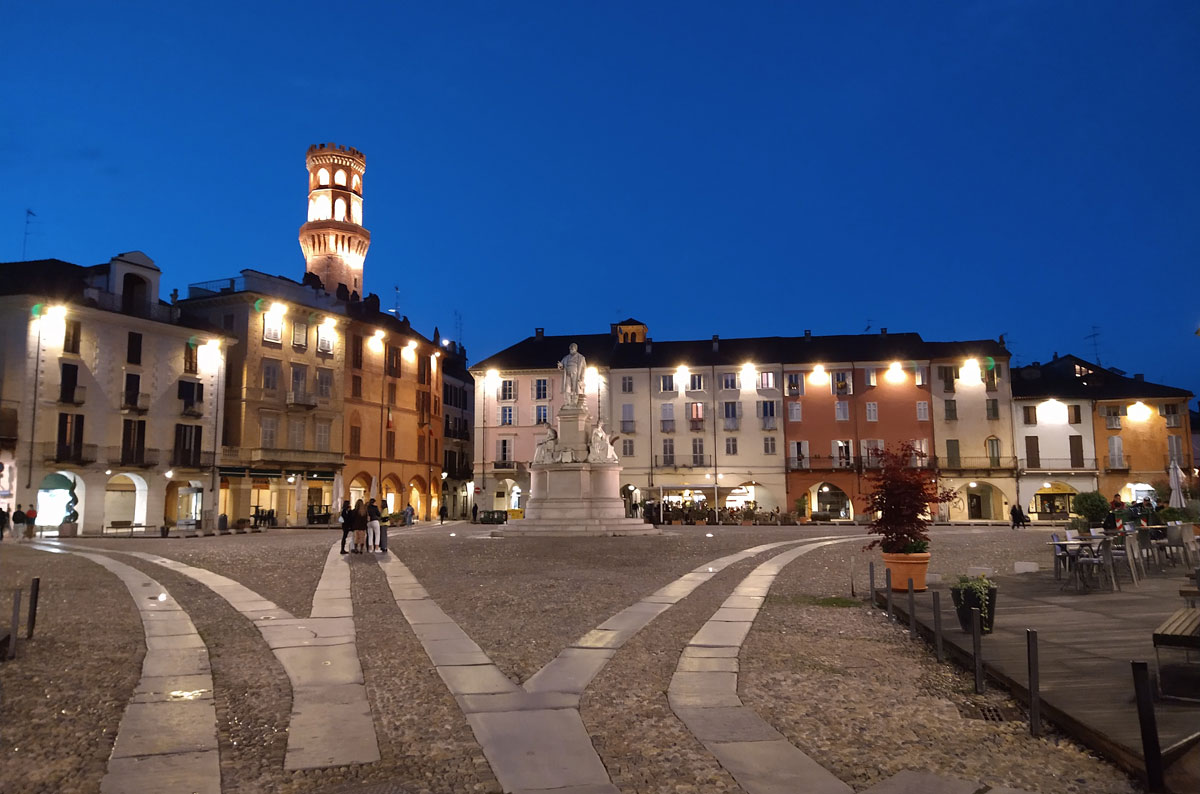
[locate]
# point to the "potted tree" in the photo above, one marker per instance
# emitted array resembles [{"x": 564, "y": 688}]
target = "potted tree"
[
  {"x": 974, "y": 593},
  {"x": 901, "y": 492}
]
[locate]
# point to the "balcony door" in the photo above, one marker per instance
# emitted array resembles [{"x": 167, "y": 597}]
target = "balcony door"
[
  {"x": 133, "y": 442},
  {"x": 1076, "y": 443},
  {"x": 1033, "y": 455},
  {"x": 70, "y": 437}
]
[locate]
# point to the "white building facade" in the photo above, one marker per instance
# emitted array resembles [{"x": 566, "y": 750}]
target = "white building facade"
[{"x": 113, "y": 403}]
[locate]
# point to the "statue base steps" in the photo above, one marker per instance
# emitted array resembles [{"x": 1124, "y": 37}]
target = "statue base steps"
[{"x": 567, "y": 528}]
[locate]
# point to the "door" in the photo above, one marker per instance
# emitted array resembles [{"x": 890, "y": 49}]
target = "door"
[
  {"x": 953, "y": 460},
  {"x": 974, "y": 506},
  {"x": 133, "y": 442},
  {"x": 70, "y": 437},
  {"x": 1076, "y": 443}
]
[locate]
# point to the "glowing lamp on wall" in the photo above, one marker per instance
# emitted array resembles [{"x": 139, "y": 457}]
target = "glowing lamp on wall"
[
  {"x": 491, "y": 380},
  {"x": 970, "y": 372},
  {"x": 278, "y": 309},
  {"x": 591, "y": 378},
  {"x": 410, "y": 350},
  {"x": 749, "y": 373},
  {"x": 819, "y": 376},
  {"x": 895, "y": 373},
  {"x": 682, "y": 371},
  {"x": 1051, "y": 412},
  {"x": 208, "y": 355},
  {"x": 375, "y": 343},
  {"x": 1139, "y": 412}
]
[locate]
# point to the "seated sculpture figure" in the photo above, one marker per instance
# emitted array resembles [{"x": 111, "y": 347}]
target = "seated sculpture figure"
[
  {"x": 600, "y": 450},
  {"x": 547, "y": 449}
]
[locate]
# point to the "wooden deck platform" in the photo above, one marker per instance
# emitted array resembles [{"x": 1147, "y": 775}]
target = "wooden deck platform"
[{"x": 1085, "y": 642}]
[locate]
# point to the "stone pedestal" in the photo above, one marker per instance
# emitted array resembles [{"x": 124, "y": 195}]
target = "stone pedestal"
[{"x": 572, "y": 496}]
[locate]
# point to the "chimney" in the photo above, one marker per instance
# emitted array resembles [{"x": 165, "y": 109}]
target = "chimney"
[
  {"x": 807, "y": 334},
  {"x": 883, "y": 332},
  {"x": 649, "y": 344},
  {"x": 1139, "y": 376},
  {"x": 716, "y": 342},
  {"x": 1055, "y": 355},
  {"x": 538, "y": 333}
]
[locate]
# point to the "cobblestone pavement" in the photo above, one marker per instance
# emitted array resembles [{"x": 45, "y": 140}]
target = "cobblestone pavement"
[{"x": 826, "y": 677}]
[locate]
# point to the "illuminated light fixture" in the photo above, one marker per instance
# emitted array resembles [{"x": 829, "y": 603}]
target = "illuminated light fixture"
[
  {"x": 719, "y": 476},
  {"x": 682, "y": 371},
  {"x": 376, "y": 341},
  {"x": 291, "y": 479},
  {"x": 824, "y": 489},
  {"x": 1051, "y": 412},
  {"x": 278, "y": 309},
  {"x": 453, "y": 534},
  {"x": 330, "y": 323},
  {"x": 412, "y": 344},
  {"x": 169, "y": 473},
  {"x": 1045, "y": 485},
  {"x": 972, "y": 484},
  {"x": 57, "y": 313},
  {"x": 445, "y": 474},
  {"x": 629, "y": 487},
  {"x": 492, "y": 379},
  {"x": 162, "y": 596},
  {"x": 749, "y": 373},
  {"x": 895, "y": 373},
  {"x": 1139, "y": 411},
  {"x": 706, "y": 476},
  {"x": 445, "y": 343},
  {"x": 591, "y": 378},
  {"x": 107, "y": 472},
  {"x": 818, "y": 377},
  {"x": 970, "y": 372}
]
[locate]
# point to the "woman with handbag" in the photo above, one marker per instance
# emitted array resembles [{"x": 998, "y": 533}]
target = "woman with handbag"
[{"x": 359, "y": 522}]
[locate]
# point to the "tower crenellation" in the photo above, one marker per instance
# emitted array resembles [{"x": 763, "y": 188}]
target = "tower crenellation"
[{"x": 333, "y": 239}]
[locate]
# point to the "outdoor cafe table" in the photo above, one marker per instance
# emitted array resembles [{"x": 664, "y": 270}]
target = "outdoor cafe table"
[{"x": 1078, "y": 543}]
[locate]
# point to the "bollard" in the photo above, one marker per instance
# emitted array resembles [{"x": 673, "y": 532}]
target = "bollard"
[
  {"x": 1035, "y": 695},
  {"x": 912, "y": 610},
  {"x": 871, "y": 575},
  {"x": 977, "y": 648},
  {"x": 33, "y": 602},
  {"x": 937, "y": 625},
  {"x": 1145, "y": 707},
  {"x": 16, "y": 624},
  {"x": 887, "y": 583}
]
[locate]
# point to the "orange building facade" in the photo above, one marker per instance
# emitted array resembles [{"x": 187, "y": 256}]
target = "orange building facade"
[{"x": 1137, "y": 440}]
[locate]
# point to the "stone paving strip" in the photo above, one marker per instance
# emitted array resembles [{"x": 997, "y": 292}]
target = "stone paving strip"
[
  {"x": 532, "y": 735},
  {"x": 704, "y": 695},
  {"x": 331, "y": 723},
  {"x": 167, "y": 739}
]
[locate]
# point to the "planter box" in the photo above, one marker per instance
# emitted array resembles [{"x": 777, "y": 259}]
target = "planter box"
[
  {"x": 905, "y": 567},
  {"x": 965, "y": 601},
  {"x": 68, "y": 530}
]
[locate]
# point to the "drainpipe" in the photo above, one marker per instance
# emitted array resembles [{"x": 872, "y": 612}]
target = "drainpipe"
[
  {"x": 37, "y": 368},
  {"x": 212, "y": 487}
]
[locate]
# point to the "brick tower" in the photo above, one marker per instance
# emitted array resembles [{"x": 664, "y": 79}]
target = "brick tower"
[{"x": 334, "y": 240}]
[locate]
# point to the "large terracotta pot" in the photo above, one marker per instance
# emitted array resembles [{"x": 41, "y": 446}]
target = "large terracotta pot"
[{"x": 905, "y": 567}]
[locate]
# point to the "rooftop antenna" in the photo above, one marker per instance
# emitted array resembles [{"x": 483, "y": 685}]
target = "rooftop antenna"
[
  {"x": 1095, "y": 337},
  {"x": 396, "y": 303},
  {"x": 868, "y": 328},
  {"x": 25, "y": 240},
  {"x": 458, "y": 327}
]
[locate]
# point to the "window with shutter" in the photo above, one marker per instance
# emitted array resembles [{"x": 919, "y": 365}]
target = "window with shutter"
[
  {"x": 922, "y": 411},
  {"x": 841, "y": 411},
  {"x": 872, "y": 412},
  {"x": 794, "y": 412}
]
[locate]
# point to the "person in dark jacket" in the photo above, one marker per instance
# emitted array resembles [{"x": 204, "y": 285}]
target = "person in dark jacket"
[
  {"x": 442, "y": 514},
  {"x": 1017, "y": 516},
  {"x": 358, "y": 521},
  {"x": 373, "y": 516},
  {"x": 346, "y": 527}
]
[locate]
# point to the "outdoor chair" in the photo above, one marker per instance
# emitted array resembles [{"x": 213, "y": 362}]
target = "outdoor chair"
[
  {"x": 1097, "y": 532},
  {"x": 1063, "y": 559},
  {"x": 1147, "y": 550},
  {"x": 1173, "y": 541},
  {"x": 1098, "y": 560},
  {"x": 1124, "y": 553},
  {"x": 1072, "y": 534}
]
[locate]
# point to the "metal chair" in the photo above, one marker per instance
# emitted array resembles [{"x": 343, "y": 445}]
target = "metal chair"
[
  {"x": 1098, "y": 559},
  {"x": 1124, "y": 552},
  {"x": 1064, "y": 560},
  {"x": 1175, "y": 540}
]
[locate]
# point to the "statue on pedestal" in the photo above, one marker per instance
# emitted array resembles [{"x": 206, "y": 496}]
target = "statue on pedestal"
[
  {"x": 573, "y": 365},
  {"x": 547, "y": 449},
  {"x": 600, "y": 450}
]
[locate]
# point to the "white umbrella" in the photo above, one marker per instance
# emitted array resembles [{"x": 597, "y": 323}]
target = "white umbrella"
[
  {"x": 1176, "y": 477},
  {"x": 338, "y": 492}
]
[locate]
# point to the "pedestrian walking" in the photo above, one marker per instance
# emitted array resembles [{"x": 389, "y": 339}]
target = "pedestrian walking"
[
  {"x": 18, "y": 524},
  {"x": 31, "y": 522},
  {"x": 408, "y": 515},
  {"x": 372, "y": 526},
  {"x": 3, "y": 523},
  {"x": 1015, "y": 514},
  {"x": 347, "y": 527},
  {"x": 442, "y": 514},
  {"x": 474, "y": 514}
]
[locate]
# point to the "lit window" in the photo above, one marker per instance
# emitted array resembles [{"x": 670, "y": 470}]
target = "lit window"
[
  {"x": 272, "y": 327},
  {"x": 339, "y": 177},
  {"x": 355, "y": 183},
  {"x": 356, "y": 210},
  {"x": 323, "y": 177},
  {"x": 339, "y": 210},
  {"x": 507, "y": 390},
  {"x": 766, "y": 380},
  {"x": 842, "y": 383}
]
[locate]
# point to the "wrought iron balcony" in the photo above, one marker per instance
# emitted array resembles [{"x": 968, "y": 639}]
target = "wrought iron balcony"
[
  {"x": 1057, "y": 464},
  {"x": 138, "y": 457},
  {"x": 628, "y": 426},
  {"x": 72, "y": 395},
  {"x": 79, "y": 454},
  {"x": 135, "y": 402},
  {"x": 668, "y": 425},
  {"x": 987, "y": 463},
  {"x": 191, "y": 459},
  {"x": 301, "y": 399}
]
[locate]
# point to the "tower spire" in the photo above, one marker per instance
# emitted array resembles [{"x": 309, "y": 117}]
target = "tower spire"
[{"x": 333, "y": 240}]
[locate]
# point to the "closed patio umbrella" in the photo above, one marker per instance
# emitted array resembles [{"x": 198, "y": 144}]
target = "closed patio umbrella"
[
  {"x": 374, "y": 488},
  {"x": 1176, "y": 479},
  {"x": 338, "y": 492},
  {"x": 301, "y": 516}
]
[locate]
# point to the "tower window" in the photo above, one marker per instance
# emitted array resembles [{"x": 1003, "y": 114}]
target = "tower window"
[
  {"x": 355, "y": 183},
  {"x": 339, "y": 209},
  {"x": 323, "y": 177},
  {"x": 339, "y": 178}
]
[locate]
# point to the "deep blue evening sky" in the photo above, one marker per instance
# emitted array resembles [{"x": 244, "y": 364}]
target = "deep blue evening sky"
[{"x": 961, "y": 169}]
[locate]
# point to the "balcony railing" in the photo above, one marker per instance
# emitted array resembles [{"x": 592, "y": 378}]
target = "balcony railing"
[
  {"x": 960, "y": 463},
  {"x": 79, "y": 454},
  {"x": 668, "y": 425},
  {"x": 1180, "y": 459},
  {"x": 293, "y": 456},
  {"x": 193, "y": 408},
  {"x": 128, "y": 456},
  {"x": 769, "y": 423},
  {"x": 191, "y": 459},
  {"x": 1057, "y": 464},
  {"x": 302, "y": 399},
  {"x": 686, "y": 461},
  {"x": 76, "y": 395},
  {"x": 1118, "y": 462},
  {"x": 732, "y": 423},
  {"x": 1175, "y": 420},
  {"x": 137, "y": 402},
  {"x": 504, "y": 465},
  {"x": 696, "y": 425},
  {"x": 628, "y": 425}
]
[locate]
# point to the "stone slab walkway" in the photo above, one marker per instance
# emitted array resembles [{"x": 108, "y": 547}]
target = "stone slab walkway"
[
  {"x": 331, "y": 722},
  {"x": 167, "y": 738},
  {"x": 532, "y": 735}
]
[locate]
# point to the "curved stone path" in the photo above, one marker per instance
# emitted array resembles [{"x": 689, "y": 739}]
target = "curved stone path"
[
  {"x": 704, "y": 695},
  {"x": 167, "y": 738},
  {"x": 532, "y": 735},
  {"x": 331, "y": 722}
]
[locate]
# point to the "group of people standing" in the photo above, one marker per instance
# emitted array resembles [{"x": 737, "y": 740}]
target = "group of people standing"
[
  {"x": 366, "y": 522},
  {"x": 20, "y": 523}
]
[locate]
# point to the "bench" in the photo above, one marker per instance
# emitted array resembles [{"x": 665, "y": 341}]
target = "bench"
[
  {"x": 129, "y": 525},
  {"x": 1179, "y": 632}
]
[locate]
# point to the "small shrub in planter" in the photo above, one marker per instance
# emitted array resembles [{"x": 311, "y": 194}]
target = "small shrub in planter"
[
  {"x": 1093, "y": 507},
  {"x": 974, "y": 593}
]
